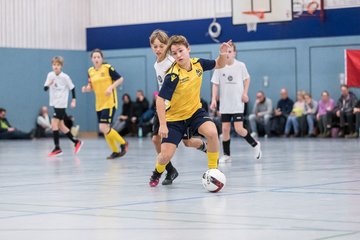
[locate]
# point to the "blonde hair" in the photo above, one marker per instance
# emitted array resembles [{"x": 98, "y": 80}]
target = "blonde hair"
[
  {"x": 233, "y": 46},
  {"x": 160, "y": 35},
  {"x": 58, "y": 59},
  {"x": 177, "y": 40}
]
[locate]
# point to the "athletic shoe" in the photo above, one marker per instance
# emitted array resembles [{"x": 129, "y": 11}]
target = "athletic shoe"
[
  {"x": 257, "y": 151},
  {"x": 225, "y": 159},
  {"x": 55, "y": 152},
  {"x": 170, "y": 177},
  {"x": 154, "y": 179},
  {"x": 124, "y": 148},
  {"x": 352, "y": 135},
  {"x": 114, "y": 155},
  {"x": 78, "y": 146}
]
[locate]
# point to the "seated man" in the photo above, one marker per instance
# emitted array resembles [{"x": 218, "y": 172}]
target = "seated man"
[
  {"x": 140, "y": 106},
  {"x": 311, "y": 107},
  {"x": 345, "y": 111},
  {"x": 281, "y": 113},
  {"x": 43, "y": 124},
  {"x": 357, "y": 117},
  {"x": 261, "y": 114},
  {"x": 8, "y": 132}
]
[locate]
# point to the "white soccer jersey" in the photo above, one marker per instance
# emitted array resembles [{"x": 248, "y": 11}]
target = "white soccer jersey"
[
  {"x": 161, "y": 68},
  {"x": 59, "y": 89},
  {"x": 231, "y": 83}
]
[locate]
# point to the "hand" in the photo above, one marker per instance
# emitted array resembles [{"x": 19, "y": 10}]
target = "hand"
[
  {"x": 73, "y": 103},
  {"x": 213, "y": 105},
  {"x": 245, "y": 98},
  {"x": 108, "y": 91},
  {"x": 163, "y": 131},
  {"x": 85, "y": 89},
  {"x": 338, "y": 113},
  {"x": 356, "y": 110},
  {"x": 11, "y": 129},
  {"x": 224, "y": 47},
  {"x": 278, "y": 112},
  {"x": 133, "y": 119}
]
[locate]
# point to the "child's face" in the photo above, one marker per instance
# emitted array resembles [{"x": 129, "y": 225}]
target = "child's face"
[
  {"x": 158, "y": 47},
  {"x": 231, "y": 54},
  {"x": 96, "y": 59},
  {"x": 56, "y": 67},
  {"x": 181, "y": 54}
]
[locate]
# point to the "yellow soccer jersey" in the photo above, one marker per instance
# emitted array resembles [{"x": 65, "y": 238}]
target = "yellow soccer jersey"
[
  {"x": 182, "y": 89},
  {"x": 100, "y": 80}
]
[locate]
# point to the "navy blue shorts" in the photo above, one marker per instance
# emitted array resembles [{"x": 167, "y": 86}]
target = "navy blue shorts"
[
  {"x": 106, "y": 115},
  {"x": 179, "y": 129}
]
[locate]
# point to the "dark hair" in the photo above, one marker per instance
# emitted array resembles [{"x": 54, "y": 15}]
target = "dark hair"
[
  {"x": 2, "y": 110},
  {"x": 126, "y": 95},
  {"x": 97, "y": 50},
  {"x": 344, "y": 85},
  {"x": 140, "y": 91}
]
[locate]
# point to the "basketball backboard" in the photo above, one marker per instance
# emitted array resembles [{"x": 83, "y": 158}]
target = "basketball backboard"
[{"x": 261, "y": 11}]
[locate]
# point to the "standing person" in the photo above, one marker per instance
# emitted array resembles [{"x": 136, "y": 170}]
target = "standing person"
[
  {"x": 59, "y": 84},
  {"x": 181, "y": 89},
  {"x": 262, "y": 112},
  {"x": 103, "y": 80},
  {"x": 234, "y": 82},
  {"x": 324, "y": 115},
  {"x": 158, "y": 42}
]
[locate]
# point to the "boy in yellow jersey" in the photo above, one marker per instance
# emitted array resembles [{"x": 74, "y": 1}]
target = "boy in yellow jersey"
[
  {"x": 158, "y": 42},
  {"x": 103, "y": 80},
  {"x": 183, "y": 110}
]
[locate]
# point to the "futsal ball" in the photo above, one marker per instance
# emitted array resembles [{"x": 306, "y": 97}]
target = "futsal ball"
[{"x": 213, "y": 180}]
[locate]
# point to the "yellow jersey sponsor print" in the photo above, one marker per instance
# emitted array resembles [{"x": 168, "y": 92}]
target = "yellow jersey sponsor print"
[
  {"x": 182, "y": 89},
  {"x": 100, "y": 80}
]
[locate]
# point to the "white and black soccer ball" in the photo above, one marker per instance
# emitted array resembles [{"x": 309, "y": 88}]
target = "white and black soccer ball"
[{"x": 213, "y": 180}]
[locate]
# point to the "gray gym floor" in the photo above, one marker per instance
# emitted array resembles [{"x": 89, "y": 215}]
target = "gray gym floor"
[{"x": 307, "y": 189}]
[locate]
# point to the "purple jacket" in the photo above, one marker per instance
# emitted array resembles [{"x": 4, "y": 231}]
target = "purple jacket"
[{"x": 323, "y": 106}]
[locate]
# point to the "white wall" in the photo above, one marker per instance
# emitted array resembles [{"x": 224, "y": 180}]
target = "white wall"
[
  {"x": 52, "y": 24},
  {"x": 114, "y": 12},
  {"x": 61, "y": 24}
]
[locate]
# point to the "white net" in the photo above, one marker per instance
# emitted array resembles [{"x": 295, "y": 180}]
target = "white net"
[{"x": 251, "y": 27}]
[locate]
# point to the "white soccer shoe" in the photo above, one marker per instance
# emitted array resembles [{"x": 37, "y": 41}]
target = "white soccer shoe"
[
  {"x": 257, "y": 151},
  {"x": 254, "y": 135},
  {"x": 225, "y": 159}
]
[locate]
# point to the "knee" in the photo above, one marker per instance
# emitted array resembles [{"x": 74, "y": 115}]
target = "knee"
[
  {"x": 267, "y": 118},
  {"x": 226, "y": 128},
  {"x": 156, "y": 140},
  {"x": 163, "y": 158},
  {"x": 187, "y": 143},
  {"x": 252, "y": 117},
  {"x": 104, "y": 128}
]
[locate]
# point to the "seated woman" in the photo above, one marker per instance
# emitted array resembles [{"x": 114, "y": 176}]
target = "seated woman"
[
  {"x": 325, "y": 114},
  {"x": 297, "y": 111},
  {"x": 123, "y": 122},
  {"x": 43, "y": 124}
]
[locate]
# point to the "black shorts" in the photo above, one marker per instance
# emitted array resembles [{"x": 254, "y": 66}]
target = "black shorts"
[
  {"x": 106, "y": 115},
  {"x": 236, "y": 117},
  {"x": 59, "y": 113},
  {"x": 156, "y": 125},
  {"x": 179, "y": 129}
]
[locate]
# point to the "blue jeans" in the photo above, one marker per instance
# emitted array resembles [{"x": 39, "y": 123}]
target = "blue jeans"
[
  {"x": 292, "y": 121},
  {"x": 310, "y": 118}
]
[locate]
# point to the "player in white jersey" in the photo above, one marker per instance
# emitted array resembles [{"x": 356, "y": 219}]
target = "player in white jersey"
[
  {"x": 158, "y": 42},
  {"x": 59, "y": 84},
  {"x": 233, "y": 81}
]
